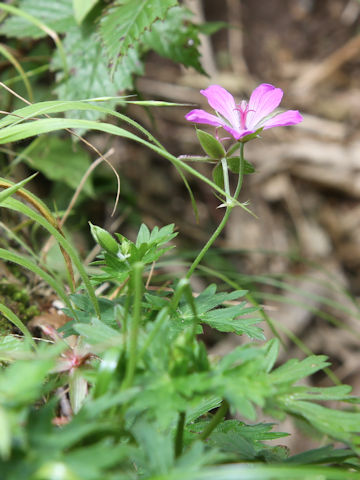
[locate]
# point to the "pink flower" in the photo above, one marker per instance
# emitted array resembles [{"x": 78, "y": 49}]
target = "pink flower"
[{"x": 244, "y": 118}]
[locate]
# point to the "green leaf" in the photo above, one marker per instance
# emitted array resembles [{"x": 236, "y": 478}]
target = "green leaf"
[
  {"x": 82, "y": 8},
  {"x": 98, "y": 332},
  {"x": 143, "y": 235},
  {"x": 21, "y": 382},
  {"x": 251, "y": 471},
  {"x": 338, "y": 424},
  {"x": 16, "y": 205},
  {"x": 326, "y": 454},
  {"x": 156, "y": 237},
  {"x": 209, "y": 28},
  {"x": 209, "y": 299},
  {"x": 224, "y": 319},
  {"x": 124, "y": 23},
  {"x": 59, "y": 159},
  {"x": 218, "y": 175},
  {"x": 107, "y": 371},
  {"x": 58, "y": 15},
  {"x": 35, "y": 127},
  {"x": 7, "y": 192},
  {"x": 210, "y": 145},
  {"x": 294, "y": 370},
  {"x": 13, "y": 344},
  {"x": 5, "y": 437},
  {"x": 89, "y": 76},
  {"x": 15, "y": 320},
  {"x": 176, "y": 38},
  {"x": 340, "y": 392},
  {"x": 234, "y": 165},
  {"x": 55, "y": 471},
  {"x": 272, "y": 351},
  {"x": 156, "y": 453},
  {"x": 91, "y": 461},
  {"x": 232, "y": 441}
]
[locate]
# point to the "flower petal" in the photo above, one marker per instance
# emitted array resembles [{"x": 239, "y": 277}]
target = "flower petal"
[
  {"x": 264, "y": 99},
  {"x": 200, "y": 116},
  {"x": 222, "y": 102},
  {"x": 290, "y": 117},
  {"x": 237, "y": 134}
]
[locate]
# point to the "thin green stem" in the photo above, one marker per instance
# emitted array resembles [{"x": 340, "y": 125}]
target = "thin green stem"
[
  {"x": 134, "y": 326},
  {"x": 209, "y": 242},
  {"x": 216, "y": 419},
  {"x": 241, "y": 171},
  {"x": 179, "y": 437},
  {"x": 229, "y": 207}
]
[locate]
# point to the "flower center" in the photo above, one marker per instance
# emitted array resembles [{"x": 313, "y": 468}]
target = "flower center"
[{"x": 243, "y": 109}]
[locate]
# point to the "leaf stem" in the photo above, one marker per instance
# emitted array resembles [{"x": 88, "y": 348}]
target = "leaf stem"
[
  {"x": 226, "y": 178},
  {"x": 209, "y": 242},
  {"x": 179, "y": 434},
  {"x": 216, "y": 419}
]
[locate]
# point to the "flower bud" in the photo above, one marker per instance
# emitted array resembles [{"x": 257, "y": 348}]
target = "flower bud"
[{"x": 104, "y": 239}]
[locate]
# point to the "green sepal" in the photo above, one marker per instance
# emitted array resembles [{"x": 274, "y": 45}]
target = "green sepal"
[
  {"x": 251, "y": 136},
  {"x": 210, "y": 145},
  {"x": 218, "y": 175},
  {"x": 234, "y": 165},
  {"x": 104, "y": 239}
]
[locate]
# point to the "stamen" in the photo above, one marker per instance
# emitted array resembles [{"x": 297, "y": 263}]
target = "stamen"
[
  {"x": 243, "y": 109},
  {"x": 218, "y": 138}
]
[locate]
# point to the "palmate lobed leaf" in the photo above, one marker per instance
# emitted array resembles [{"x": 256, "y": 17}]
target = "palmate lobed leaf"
[
  {"x": 339, "y": 392},
  {"x": 156, "y": 236},
  {"x": 294, "y": 369},
  {"x": 89, "y": 75},
  {"x": 176, "y": 38},
  {"x": 259, "y": 432},
  {"x": 320, "y": 455},
  {"x": 240, "y": 441},
  {"x": 338, "y": 424},
  {"x": 126, "y": 20},
  {"x": 209, "y": 299},
  {"x": 225, "y": 318}
]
